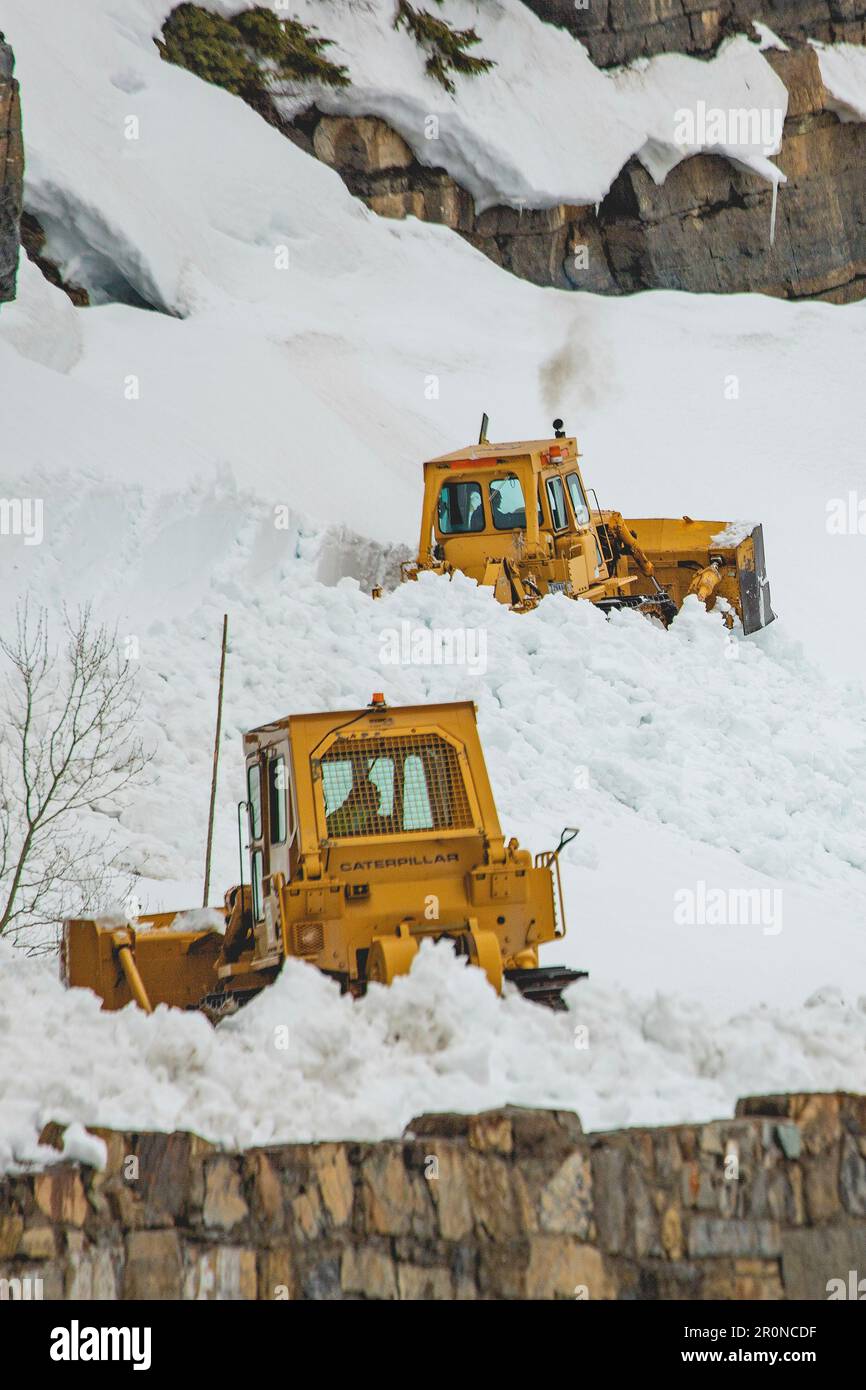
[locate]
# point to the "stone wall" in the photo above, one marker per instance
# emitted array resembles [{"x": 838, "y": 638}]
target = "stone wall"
[
  {"x": 618, "y": 31},
  {"x": 511, "y": 1204},
  {"x": 705, "y": 229},
  {"x": 11, "y": 173}
]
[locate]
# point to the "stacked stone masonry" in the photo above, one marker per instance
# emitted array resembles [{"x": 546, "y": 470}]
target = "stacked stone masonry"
[{"x": 511, "y": 1204}]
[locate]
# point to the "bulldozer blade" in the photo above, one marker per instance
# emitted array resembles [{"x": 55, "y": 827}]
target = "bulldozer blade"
[
  {"x": 755, "y": 588},
  {"x": 164, "y": 965},
  {"x": 724, "y": 558},
  {"x": 545, "y": 985}
]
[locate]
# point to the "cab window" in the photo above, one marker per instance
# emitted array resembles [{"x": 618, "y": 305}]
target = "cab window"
[
  {"x": 507, "y": 504},
  {"x": 460, "y": 508},
  {"x": 417, "y": 814},
  {"x": 556, "y": 498},
  {"x": 578, "y": 499},
  {"x": 359, "y": 795},
  {"x": 258, "y": 908},
  {"x": 277, "y": 790},
  {"x": 254, "y": 800}
]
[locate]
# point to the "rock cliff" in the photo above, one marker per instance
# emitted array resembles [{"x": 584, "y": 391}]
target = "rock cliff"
[
  {"x": 618, "y": 31},
  {"x": 11, "y": 173},
  {"x": 705, "y": 229}
]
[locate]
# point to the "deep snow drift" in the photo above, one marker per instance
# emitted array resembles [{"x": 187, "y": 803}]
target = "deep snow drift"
[{"x": 164, "y": 447}]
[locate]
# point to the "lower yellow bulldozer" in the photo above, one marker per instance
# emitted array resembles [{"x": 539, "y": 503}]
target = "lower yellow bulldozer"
[
  {"x": 517, "y": 518},
  {"x": 370, "y": 831}
]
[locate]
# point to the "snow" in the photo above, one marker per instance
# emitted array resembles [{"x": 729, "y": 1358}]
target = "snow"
[
  {"x": 194, "y": 919},
  {"x": 256, "y": 450},
  {"x": 767, "y": 39},
  {"x": 301, "y": 1063},
  {"x": 733, "y": 534},
  {"x": 843, "y": 72}
]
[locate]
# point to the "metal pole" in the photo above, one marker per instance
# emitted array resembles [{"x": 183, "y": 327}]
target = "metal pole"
[{"x": 216, "y": 755}]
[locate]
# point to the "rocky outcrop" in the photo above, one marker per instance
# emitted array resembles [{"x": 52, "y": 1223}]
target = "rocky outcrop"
[
  {"x": 705, "y": 229},
  {"x": 511, "y": 1204},
  {"x": 11, "y": 173},
  {"x": 33, "y": 241},
  {"x": 619, "y": 31}
]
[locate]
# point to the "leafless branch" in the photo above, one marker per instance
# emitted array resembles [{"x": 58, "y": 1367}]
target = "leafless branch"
[{"x": 67, "y": 745}]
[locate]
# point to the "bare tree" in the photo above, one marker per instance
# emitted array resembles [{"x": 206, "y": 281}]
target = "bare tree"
[{"x": 67, "y": 746}]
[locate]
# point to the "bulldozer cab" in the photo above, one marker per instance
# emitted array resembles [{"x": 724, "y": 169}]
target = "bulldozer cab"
[
  {"x": 489, "y": 500},
  {"x": 344, "y": 800},
  {"x": 319, "y": 782},
  {"x": 492, "y": 506}
]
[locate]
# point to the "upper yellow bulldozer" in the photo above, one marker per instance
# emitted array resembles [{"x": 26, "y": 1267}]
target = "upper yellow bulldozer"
[
  {"x": 475, "y": 519},
  {"x": 369, "y": 831}
]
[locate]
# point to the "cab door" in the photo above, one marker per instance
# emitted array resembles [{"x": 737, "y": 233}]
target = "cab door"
[
  {"x": 270, "y": 809},
  {"x": 259, "y": 865}
]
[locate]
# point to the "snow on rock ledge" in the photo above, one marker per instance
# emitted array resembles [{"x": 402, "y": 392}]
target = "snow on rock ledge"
[
  {"x": 843, "y": 72},
  {"x": 544, "y": 126}
]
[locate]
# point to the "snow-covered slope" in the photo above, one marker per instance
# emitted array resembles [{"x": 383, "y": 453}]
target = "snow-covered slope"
[{"x": 162, "y": 445}]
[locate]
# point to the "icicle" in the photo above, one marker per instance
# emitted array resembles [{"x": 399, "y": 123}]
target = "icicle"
[{"x": 773, "y": 212}]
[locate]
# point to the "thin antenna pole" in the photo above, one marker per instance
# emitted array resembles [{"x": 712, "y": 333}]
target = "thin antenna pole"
[{"x": 216, "y": 757}]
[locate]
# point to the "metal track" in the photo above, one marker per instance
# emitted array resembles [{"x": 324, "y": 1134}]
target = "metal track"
[
  {"x": 545, "y": 986},
  {"x": 659, "y": 606}
]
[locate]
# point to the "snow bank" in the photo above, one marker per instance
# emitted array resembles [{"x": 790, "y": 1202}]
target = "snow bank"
[{"x": 302, "y": 1063}]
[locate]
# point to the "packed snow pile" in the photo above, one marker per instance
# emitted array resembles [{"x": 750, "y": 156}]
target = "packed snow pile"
[
  {"x": 254, "y": 447},
  {"x": 302, "y": 1063}
]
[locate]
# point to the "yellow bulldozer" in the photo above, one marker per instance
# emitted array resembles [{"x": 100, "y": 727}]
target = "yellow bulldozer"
[
  {"x": 370, "y": 830},
  {"x": 517, "y": 518}
]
